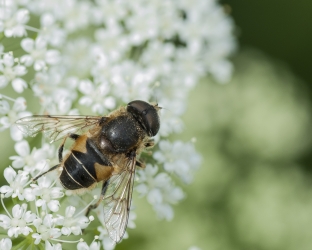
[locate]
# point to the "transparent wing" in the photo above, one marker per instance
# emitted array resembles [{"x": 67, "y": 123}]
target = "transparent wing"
[
  {"x": 55, "y": 127},
  {"x": 117, "y": 201}
]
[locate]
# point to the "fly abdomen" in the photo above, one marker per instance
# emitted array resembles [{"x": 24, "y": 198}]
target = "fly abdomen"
[
  {"x": 80, "y": 168},
  {"x": 75, "y": 175}
]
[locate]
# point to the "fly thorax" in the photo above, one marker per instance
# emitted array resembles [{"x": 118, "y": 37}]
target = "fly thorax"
[{"x": 121, "y": 134}]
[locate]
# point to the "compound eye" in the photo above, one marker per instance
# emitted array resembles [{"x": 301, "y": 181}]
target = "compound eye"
[{"x": 146, "y": 115}]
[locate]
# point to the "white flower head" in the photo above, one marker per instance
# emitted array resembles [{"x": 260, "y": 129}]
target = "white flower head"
[
  {"x": 47, "y": 194},
  {"x": 72, "y": 224},
  {"x": 26, "y": 159},
  {"x": 17, "y": 185},
  {"x": 8, "y": 120},
  {"x": 159, "y": 191},
  {"x": 17, "y": 223},
  {"x": 51, "y": 31},
  {"x": 38, "y": 54},
  {"x": 179, "y": 158},
  {"x": 96, "y": 96},
  {"x": 45, "y": 229},
  {"x": 13, "y": 20},
  {"x": 11, "y": 72}
]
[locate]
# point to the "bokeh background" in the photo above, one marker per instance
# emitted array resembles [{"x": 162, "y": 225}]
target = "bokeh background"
[{"x": 253, "y": 190}]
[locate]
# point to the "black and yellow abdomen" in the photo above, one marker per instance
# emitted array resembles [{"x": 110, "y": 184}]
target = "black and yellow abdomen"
[{"x": 84, "y": 166}]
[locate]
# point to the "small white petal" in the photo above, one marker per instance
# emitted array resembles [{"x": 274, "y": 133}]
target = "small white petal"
[
  {"x": 85, "y": 100},
  {"x": 39, "y": 65},
  {"x": 41, "y": 43},
  {"x": 17, "y": 211},
  {"x": 27, "y": 44},
  {"x": 47, "y": 19},
  {"x": 83, "y": 222},
  {"x": 19, "y": 85},
  {"x": 9, "y": 174},
  {"x": 22, "y": 148},
  {"x": 6, "y": 244},
  {"x": 40, "y": 202},
  {"x": 4, "y": 107},
  {"x": 37, "y": 238},
  {"x": 3, "y": 81},
  {"x": 27, "y": 60},
  {"x": 8, "y": 60},
  {"x": 20, "y": 70},
  {"x": 154, "y": 196},
  {"x": 110, "y": 102},
  {"x": 76, "y": 230},
  {"x": 8, "y": 32},
  {"x": 66, "y": 231},
  {"x": 26, "y": 230},
  {"x": 13, "y": 231},
  {"x": 70, "y": 211},
  {"x": 5, "y": 221},
  {"x": 20, "y": 104},
  {"x": 29, "y": 194},
  {"x": 18, "y": 162},
  {"x": 55, "y": 232},
  {"x": 164, "y": 211},
  {"x": 53, "y": 57},
  {"x": 22, "y": 16},
  {"x": 54, "y": 205},
  {"x": 82, "y": 246},
  {"x": 5, "y": 189},
  {"x": 29, "y": 217},
  {"x": 56, "y": 192},
  {"x": 95, "y": 245},
  {"x": 15, "y": 133},
  {"x": 142, "y": 189}
]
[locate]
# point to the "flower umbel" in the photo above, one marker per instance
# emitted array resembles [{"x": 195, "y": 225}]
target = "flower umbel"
[{"x": 77, "y": 57}]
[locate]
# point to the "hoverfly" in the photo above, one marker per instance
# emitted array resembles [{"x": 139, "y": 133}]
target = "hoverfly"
[{"x": 106, "y": 149}]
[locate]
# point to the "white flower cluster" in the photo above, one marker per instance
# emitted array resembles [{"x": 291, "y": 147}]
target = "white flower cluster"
[{"x": 96, "y": 56}]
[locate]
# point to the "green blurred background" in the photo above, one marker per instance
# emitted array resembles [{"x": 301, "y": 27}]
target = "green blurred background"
[{"x": 253, "y": 190}]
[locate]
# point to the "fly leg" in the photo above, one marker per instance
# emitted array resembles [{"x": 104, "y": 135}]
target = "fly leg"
[
  {"x": 104, "y": 188},
  {"x": 51, "y": 169},
  {"x": 60, "y": 150},
  {"x": 60, "y": 156},
  {"x": 149, "y": 144},
  {"x": 140, "y": 164}
]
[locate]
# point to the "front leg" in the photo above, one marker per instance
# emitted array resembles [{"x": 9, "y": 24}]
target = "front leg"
[
  {"x": 61, "y": 148},
  {"x": 149, "y": 144},
  {"x": 140, "y": 164}
]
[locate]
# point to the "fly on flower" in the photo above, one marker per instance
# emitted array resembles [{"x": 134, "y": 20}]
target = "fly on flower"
[{"x": 105, "y": 150}]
